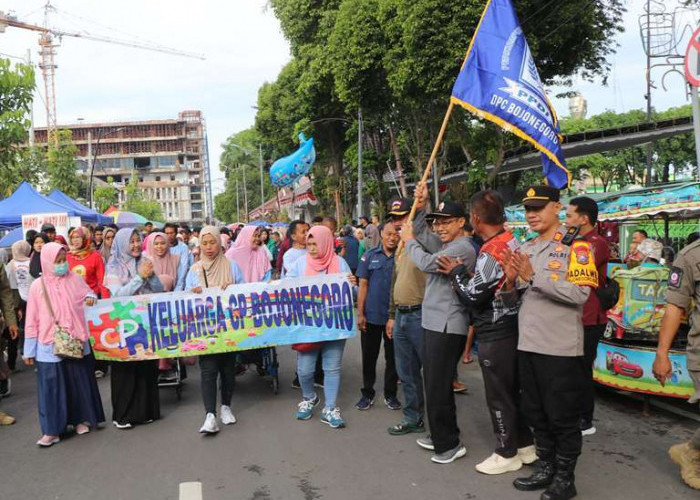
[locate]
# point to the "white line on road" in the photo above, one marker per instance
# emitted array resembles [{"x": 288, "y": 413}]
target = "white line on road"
[{"x": 191, "y": 491}]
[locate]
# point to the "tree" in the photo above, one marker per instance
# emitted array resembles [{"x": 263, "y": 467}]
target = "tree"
[
  {"x": 16, "y": 163},
  {"x": 61, "y": 168},
  {"x": 135, "y": 203},
  {"x": 397, "y": 61},
  {"x": 105, "y": 196}
]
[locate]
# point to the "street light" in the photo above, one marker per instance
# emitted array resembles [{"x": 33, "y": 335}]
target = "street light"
[{"x": 94, "y": 157}]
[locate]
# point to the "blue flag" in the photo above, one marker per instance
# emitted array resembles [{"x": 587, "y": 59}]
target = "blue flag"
[{"x": 499, "y": 82}]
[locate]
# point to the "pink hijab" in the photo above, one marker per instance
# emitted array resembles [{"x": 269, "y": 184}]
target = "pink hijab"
[
  {"x": 327, "y": 260},
  {"x": 165, "y": 267},
  {"x": 252, "y": 260},
  {"x": 66, "y": 293}
]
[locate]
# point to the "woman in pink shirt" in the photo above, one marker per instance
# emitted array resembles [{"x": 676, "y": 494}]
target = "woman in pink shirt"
[{"x": 68, "y": 392}]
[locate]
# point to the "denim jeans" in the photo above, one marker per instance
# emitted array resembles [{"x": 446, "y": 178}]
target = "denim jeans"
[
  {"x": 332, "y": 354},
  {"x": 408, "y": 349},
  {"x": 213, "y": 366}
]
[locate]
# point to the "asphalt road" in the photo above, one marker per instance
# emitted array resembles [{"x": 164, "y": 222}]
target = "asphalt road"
[{"x": 270, "y": 455}]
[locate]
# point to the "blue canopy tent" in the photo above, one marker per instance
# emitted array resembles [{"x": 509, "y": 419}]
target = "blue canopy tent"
[
  {"x": 85, "y": 213},
  {"x": 10, "y": 238},
  {"x": 26, "y": 200}
]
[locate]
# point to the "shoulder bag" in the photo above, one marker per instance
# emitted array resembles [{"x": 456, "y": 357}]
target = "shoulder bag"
[{"x": 64, "y": 345}]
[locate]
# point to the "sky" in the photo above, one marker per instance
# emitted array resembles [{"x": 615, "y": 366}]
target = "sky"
[{"x": 244, "y": 48}]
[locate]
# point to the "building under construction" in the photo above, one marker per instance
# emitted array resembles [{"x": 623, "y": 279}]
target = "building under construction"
[{"x": 170, "y": 158}]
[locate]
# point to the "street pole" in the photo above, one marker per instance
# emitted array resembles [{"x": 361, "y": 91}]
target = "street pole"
[
  {"x": 245, "y": 195},
  {"x": 359, "y": 164},
  {"x": 648, "y": 51},
  {"x": 262, "y": 183},
  {"x": 695, "y": 103},
  {"x": 90, "y": 165},
  {"x": 238, "y": 208},
  {"x": 31, "y": 108}
]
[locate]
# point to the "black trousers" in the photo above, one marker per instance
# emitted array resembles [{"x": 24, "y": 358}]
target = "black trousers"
[
  {"x": 211, "y": 366},
  {"x": 552, "y": 395},
  {"x": 591, "y": 337},
  {"x": 499, "y": 365},
  {"x": 371, "y": 340},
  {"x": 441, "y": 351}
]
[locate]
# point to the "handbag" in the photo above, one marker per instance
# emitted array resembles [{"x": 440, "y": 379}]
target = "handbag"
[
  {"x": 609, "y": 294},
  {"x": 64, "y": 345},
  {"x": 306, "y": 346}
]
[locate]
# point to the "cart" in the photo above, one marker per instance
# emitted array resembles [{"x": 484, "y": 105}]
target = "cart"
[{"x": 265, "y": 362}]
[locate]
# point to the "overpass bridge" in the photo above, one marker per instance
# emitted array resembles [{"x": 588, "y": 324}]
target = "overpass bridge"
[{"x": 577, "y": 145}]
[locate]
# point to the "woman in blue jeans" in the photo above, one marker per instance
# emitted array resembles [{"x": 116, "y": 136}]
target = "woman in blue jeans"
[{"x": 320, "y": 259}]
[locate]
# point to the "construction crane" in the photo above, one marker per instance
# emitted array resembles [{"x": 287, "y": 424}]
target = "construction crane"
[{"x": 49, "y": 40}]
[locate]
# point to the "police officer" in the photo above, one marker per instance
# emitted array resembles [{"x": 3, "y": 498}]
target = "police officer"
[
  {"x": 683, "y": 288},
  {"x": 552, "y": 274}
]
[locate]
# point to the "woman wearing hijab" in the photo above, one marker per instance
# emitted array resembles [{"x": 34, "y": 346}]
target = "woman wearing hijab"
[
  {"x": 164, "y": 263},
  {"x": 20, "y": 281},
  {"x": 106, "y": 246},
  {"x": 250, "y": 255},
  {"x": 320, "y": 259},
  {"x": 85, "y": 262},
  {"x": 68, "y": 392},
  {"x": 135, "y": 398},
  {"x": 165, "y": 267},
  {"x": 215, "y": 270},
  {"x": 38, "y": 242}
]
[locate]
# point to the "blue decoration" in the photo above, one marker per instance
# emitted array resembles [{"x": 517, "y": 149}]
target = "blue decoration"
[{"x": 290, "y": 169}]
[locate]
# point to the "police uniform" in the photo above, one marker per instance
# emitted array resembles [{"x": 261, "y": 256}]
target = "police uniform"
[
  {"x": 551, "y": 363},
  {"x": 683, "y": 289}
]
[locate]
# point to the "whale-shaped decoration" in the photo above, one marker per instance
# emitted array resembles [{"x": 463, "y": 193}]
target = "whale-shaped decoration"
[{"x": 289, "y": 169}]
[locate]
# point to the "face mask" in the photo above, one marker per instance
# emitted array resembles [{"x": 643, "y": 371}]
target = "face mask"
[{"x": 60, "y": 269}]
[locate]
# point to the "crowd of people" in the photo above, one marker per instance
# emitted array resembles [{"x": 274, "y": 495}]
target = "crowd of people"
[{"x": 428, "y": 289}]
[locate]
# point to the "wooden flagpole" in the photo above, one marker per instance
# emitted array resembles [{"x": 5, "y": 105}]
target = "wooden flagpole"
[{"x": 428, "y": 168}]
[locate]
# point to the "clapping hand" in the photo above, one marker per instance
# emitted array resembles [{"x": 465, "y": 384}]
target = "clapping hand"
[{"x": 447, "y": 264}]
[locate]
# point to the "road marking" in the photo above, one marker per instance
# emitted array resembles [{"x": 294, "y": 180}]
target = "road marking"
[{"x": 191, "y": 491}]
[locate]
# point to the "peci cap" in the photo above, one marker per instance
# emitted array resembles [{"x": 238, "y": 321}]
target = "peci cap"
[
  {"x": 448, "y": 209},
  {"x": 400, "y": 207},
  {"x": 48, "y": 228},
  {"x": 539, "y": 196}
]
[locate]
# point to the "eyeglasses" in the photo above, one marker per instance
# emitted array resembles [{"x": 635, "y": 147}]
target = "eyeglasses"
[{"x": 443, "y": 221}]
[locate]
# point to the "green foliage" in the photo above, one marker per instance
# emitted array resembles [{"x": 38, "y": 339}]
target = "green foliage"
[
  {"x": 105, "y": 196},
  {"x": 241, "y": 162},
  {"x": 16, "y": 163},
  {"x": 61, "y": 168},
  {"x": 135, "y": 203},
  {"x": 397, "y": 61}
]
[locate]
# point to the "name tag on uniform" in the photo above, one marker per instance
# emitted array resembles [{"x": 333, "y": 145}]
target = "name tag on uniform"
[{"x": 582, "y": 270}]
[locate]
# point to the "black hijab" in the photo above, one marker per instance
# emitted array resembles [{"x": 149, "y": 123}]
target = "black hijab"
[{"x": 35, "y": 261}]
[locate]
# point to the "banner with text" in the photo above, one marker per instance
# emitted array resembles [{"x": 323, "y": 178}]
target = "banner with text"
[{"x": 241, "y": 317}]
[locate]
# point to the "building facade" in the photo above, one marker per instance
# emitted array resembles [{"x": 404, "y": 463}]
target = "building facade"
[{"x": 169, "y": 157}]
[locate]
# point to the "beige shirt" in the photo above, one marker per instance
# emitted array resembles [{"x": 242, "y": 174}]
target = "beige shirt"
[
  {"x": 408, "y": 283},
  {"x": 550, "y": 318},
  {"x": 683, "y": 288}
]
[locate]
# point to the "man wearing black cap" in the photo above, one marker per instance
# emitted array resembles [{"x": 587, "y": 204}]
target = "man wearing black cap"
[
  {"x": 405, "y": 328},
  {"x": 552, "y": 275},
  {"x": 445, "y": 320},
  {"x": 50, "y": 231}
]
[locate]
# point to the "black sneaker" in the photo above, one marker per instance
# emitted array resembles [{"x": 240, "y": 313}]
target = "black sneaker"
[
  {"x": 393, "y": 403},
  {"x": 5, "y": 388},
  {"x": 403, "y": 428},
  {"x": 364, "y": 403},
  {"x": 295, "y": 383},
  {"x": 318, "y": 382}
]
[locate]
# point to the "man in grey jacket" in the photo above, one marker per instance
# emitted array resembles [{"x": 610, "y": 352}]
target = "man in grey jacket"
[{"x": 445, "y": 320}]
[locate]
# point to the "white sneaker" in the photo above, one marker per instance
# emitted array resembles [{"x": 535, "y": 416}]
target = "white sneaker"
[
  {"x": 496, "y": 464},
  {"x": 528, "y": 455},
  {"x": 210, "y": 426},
  {"x": 588, "y": 432},
  {"x": 227, "y": 417}
]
